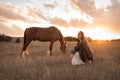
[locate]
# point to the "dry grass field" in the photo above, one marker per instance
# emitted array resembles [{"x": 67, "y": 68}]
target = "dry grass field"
[{"x": 40, "y": 66}]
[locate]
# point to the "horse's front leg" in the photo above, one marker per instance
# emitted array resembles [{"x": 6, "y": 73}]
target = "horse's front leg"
[{"x": 49, "y": 52}]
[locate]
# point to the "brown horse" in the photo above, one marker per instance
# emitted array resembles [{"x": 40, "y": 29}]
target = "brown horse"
[{"x": 51, "y": 34}]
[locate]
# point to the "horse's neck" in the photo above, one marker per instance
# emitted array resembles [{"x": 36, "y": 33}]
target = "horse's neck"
[{"x": 61, "y": 42}]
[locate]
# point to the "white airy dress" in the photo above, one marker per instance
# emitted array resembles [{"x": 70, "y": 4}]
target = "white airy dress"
[{"x": 76, "y": 60}]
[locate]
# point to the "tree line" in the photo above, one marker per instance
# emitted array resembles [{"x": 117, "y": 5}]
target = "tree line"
[
  {"x": 6, "y": 38},
  {"x": 69, "y": 38}
]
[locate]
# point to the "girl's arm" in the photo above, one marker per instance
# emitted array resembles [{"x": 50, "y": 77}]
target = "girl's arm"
[{"x": 76, "y": 48}]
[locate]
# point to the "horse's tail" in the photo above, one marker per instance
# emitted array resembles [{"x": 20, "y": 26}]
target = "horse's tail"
[{"x": 25, "y": 37}]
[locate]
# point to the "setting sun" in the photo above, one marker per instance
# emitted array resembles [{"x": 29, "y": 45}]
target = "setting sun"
[{"x": 98, "y": 33}]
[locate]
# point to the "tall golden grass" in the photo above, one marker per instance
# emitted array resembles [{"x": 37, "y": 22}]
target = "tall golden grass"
[{"x": 40, "y": 66}]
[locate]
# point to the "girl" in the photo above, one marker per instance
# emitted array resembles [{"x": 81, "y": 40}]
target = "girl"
[{"x": 82, "y": 50}]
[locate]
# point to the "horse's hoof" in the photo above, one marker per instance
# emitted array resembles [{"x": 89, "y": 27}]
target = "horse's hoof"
[
  {"x": 48, "y": 53},
  {"x": 90, "y": 62},
  {"x": 23, "y": 54}
]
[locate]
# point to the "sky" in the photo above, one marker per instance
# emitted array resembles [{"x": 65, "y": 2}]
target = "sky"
[{"x": 98, "y": 19}]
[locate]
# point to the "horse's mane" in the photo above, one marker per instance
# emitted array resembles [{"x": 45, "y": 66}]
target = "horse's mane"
[{"x": 61, "y": 38}]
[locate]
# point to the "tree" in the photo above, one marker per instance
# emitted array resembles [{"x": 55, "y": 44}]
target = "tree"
[{"x": 5, "y": 38}]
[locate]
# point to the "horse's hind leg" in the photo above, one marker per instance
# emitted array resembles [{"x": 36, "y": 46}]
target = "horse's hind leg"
[
  {"x": 50, "y": 48},
  {"x": 25, "y": 49}
]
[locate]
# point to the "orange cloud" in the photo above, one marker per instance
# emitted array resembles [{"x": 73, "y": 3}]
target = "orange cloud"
[
  {"x": 49, "y": 6},
  {"x": 34, "y": 12},
  {"x": 59, "y": 22},
  {"x": 109, "y": 19},
  {"x": 15, "y": 30},
  {"x": 8, "y": 12},
  {"x": 78, "y": 23}
]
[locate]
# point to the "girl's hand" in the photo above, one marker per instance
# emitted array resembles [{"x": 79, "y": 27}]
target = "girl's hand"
[{"x": 71, "y": 56}]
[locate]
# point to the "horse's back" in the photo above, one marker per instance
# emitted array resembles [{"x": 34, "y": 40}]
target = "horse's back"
[
  {"x": 38, "y": 33},
  {"x": 43, "y": 29}
]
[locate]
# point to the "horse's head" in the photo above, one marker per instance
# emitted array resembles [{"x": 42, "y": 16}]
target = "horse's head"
[{"x": 63, "y": 47}]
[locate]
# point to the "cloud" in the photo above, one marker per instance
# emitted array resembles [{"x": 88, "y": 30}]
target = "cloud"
[
  {"x": 14, "y": 30},
  {"x": 86, "y": 6},
  {"x": 64, "y": 13},
  {"x": 3, "y": 20},
  {"x": 109, "y": 19},
  {"x": 115, "y": 15},
  {"x": 59, "y": 22},
  {"x": 78, "y": 23},
  {"x": 8, "y": 12},
  {"x": 72, "y": 23},
  {"x": 52, "y": 6},
  {"x": 34, "y": 12}
]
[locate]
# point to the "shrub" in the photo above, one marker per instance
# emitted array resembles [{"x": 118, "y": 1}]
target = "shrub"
[
  {"x": 89, "y": 39},
  {"x": 17, "y": 40}
]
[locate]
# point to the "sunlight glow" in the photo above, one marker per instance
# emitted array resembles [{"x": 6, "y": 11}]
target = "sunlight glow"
[
  {"x": 97, "y": 33},
  {"x": 22, "y": 24},
  {"x": 69, "y": 31}
]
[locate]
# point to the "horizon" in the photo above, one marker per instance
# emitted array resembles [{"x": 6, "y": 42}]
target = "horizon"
[
  {"x": 98, "y": 19},
  {"x": 69, "y": 36}
]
